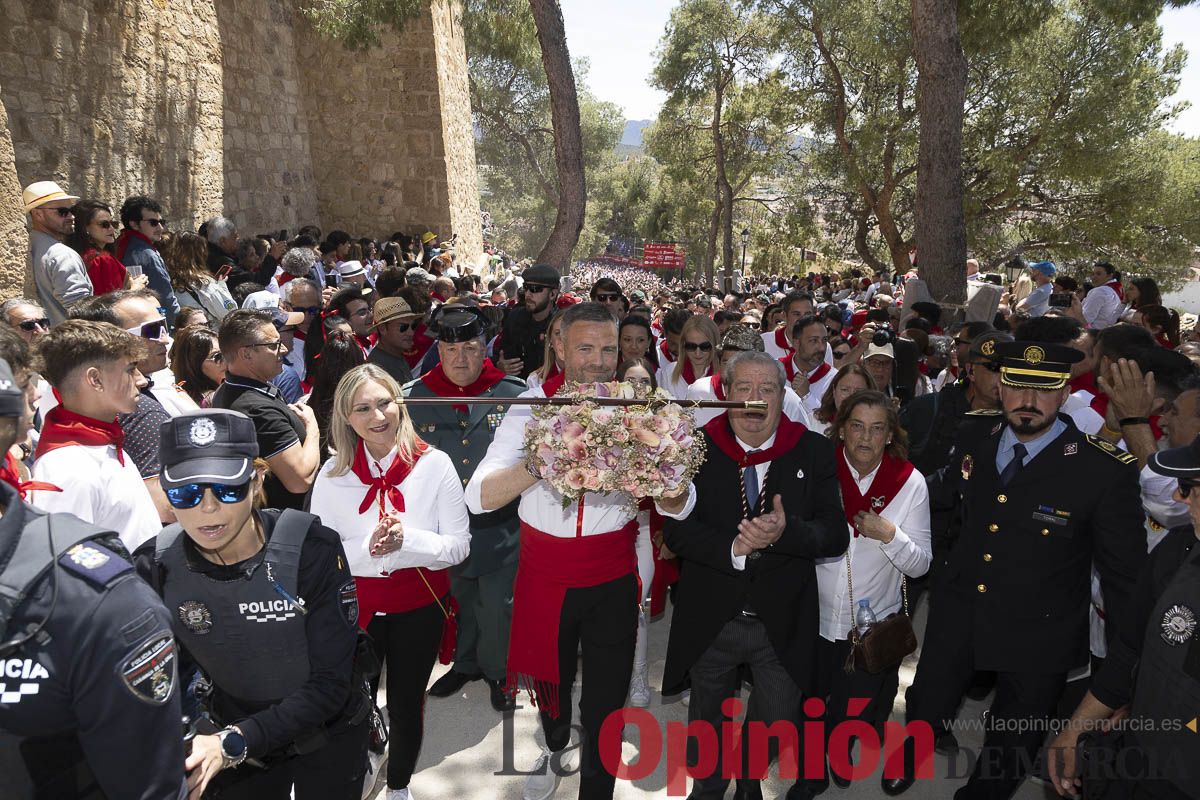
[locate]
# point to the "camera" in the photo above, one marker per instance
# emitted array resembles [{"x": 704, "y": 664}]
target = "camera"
[
  {"x": 1060, "y": 300},
  {"x": 883, "y": 334}
]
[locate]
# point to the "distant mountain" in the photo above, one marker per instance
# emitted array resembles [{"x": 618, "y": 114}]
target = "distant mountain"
[{"x": 633, "y": 131}]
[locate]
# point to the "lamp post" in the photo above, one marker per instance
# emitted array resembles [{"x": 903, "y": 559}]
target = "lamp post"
[
  {"x": 745, "y": 241},
  {"x": 1012, "y": 269}
]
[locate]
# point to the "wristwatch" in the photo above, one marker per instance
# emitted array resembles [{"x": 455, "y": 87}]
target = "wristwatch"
[{"x": 233, "y": 747}]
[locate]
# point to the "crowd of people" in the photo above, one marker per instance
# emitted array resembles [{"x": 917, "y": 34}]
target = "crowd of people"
[{"x": 247, "y": 479}]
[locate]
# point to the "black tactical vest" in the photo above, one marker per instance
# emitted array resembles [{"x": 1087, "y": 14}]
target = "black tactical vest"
[{"x": 247, "y": 634}]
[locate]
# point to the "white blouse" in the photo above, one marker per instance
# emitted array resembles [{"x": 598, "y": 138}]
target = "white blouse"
[
  {"x": 437, "y": 530},
  {"x": 876, "y": 566}
]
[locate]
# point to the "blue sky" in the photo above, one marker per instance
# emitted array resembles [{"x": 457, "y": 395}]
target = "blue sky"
[{"x": 619, "y": 37}]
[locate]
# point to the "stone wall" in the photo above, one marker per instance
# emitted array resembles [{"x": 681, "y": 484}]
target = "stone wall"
[{"x": 235, "y": 107}]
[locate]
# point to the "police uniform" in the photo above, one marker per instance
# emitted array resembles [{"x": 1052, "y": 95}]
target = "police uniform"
[
  {"x": 1153, "y": 662},
  {"x": 483, "y": 583},
  {"x": 1014, "y": 594},
  {"x": 274, "y": 635},
  {"x": 89, "y": 687}
]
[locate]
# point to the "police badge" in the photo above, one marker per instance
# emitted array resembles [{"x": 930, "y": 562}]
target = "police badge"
[
  {"x": 203, "y": 432},
  {"x": 1178, "y": 624},
  {"x": 968, "y": 464},
  {"x": 196, "y": 617}
]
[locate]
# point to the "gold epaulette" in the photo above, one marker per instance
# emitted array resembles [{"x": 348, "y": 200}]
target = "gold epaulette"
[
  {"x": 1112, "y": 450},
  {"x": 984, "y": 412}
]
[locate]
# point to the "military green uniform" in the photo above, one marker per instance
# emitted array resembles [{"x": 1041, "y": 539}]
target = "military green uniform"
[{"x": 483, "y": 583}]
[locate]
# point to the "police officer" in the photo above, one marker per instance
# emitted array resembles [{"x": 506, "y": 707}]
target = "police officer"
[
  {"x": 262, "y": 601},
  {"x": 1041, "y": 503},
  {"x": 522, "y": 340},
  {"x": 89, "y": 688},
  {"x": 482, "y": 584},
  {"x": 1159, "y": 645}
]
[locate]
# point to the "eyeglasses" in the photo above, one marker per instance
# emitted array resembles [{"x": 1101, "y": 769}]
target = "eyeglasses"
[
  {"x": 216, "y": 358},
  {"x": 608, "y": 298},
  {"x": 156, "y": 222},
  {"x": 1186, "y": 486},
  {"x": 307, "y": 309},
  {"x": 152, "y": 330},
  {"x": 692, "y": 347},
  {"x": 33, "y": 324},
  {"x": 533, "y": 288},
  {"x": 189, "y": 495},
  {"x": 276, "y": 345},
  {"x": 107, "y": 224}
]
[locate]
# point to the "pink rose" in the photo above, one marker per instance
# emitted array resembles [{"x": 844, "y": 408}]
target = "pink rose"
[{"x": 576, "y": 479}]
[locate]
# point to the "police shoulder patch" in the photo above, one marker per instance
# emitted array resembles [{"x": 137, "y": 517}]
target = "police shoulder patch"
[
  {"x": 94, "y": 563},
  {"x": 1111, "y": 449},
  {"x": 348, "y": 597},
  {"x": 150, "y": 670}
]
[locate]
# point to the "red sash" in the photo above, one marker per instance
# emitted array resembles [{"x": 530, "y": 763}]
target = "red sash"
[
  {"x": 10, "y": 473},
  {"x": 689, "y": 374},
  {"x": 820, "y": 372},
  {"x": 63, "y": 428},
  {"x": 781, "y": 341},
  {"x": 665, "y": 352},
  {"x": 1115, "y": 285},
  {"x": 786, "y": 436},
  {"x": 442, "y": 386},
  {"x": 717, "y": 388},
  {"x": 548, "y": 566},
  {"x": 889, "y": 479}
]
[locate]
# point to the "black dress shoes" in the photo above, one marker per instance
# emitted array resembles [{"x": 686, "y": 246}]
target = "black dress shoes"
[
  {"x": 896, "y": 786},
  {"x": 500, "y": 700},
  {"x": 748, "y": 790},
  {"x": 946, "y": 744},
  {"x": 451, "y": 682}
]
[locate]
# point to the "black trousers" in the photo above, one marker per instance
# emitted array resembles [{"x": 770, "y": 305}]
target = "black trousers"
[
  {"x": 407, "y": 644},
  {"x": 943, "y": 674},
  {"x": 603, "y": 619},
  {"x": 335, "y": 772},
  {"x": 839, "y": 686},
  {"x": 716, "y": 677}
]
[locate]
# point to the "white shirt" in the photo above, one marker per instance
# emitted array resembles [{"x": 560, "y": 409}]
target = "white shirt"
[
  {"x": 816, "y": 391},
  {"x": 1102, "y": 308},
  {"x": 676, "y": 387},
  {"x": 877, "y": 567},
  {"x": 773, "y": 348},
  {"x": 97, "y": 488},
  {"x": 1160, "y": 504},
  {"x": 1078, "y": 407},
  {"x": 541, "y": 505},
  {"x": 793, "y": 407},
  {"x": 437, "y": 531}
]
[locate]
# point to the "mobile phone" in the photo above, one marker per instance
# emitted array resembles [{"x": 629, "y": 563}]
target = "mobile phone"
[
  {"x": 1060, "y": 300},
  {"x": 224, "y": 272}
]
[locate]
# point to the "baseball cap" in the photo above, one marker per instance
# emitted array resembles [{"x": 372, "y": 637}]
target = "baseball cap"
[
  {"x": 210, "y": 446},
  {"x": 1047, "y": 268},
  {"x": 269, "y": 301},
  {"x": 1178, "y": 462},
  {"x": 542, "y": 275},
  {"x": 880, "y": 350},
  {"x": 37, "y": 194}
]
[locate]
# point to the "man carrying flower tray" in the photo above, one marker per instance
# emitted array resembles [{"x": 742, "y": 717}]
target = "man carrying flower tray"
[{"x": 577, "y": 574}]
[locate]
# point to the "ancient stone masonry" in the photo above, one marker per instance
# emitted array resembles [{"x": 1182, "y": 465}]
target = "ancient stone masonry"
[{"x": 235, "y": 107}]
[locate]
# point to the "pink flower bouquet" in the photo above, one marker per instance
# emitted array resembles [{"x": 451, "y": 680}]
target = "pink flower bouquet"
[{"x": 645, "y": 450}]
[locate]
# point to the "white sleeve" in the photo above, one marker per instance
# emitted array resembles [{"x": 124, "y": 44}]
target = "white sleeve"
[
  {"x": 326, "y": 503},
  {"x": 688, "y": 504},
  {"x": 1158, "y": 499},
  {"x": 445, "y": 547},
  {"x": 507, "y": 448},
  {"x": 911, "y": 549},
  {"x": 739, "y": 562},
  {"x": 68, "y": 276},
  {"x": 78, "y": 495}
]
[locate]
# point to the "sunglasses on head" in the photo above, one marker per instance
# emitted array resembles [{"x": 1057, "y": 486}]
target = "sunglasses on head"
[
  {"x": 608, "y": 298},
  {"x": 692, "y": 347},
  {"x": 34, "y": 324},
  {"x": 190, "y": 494},
  {"x": 149, "y": 330},
  {"x": 1186, "y": 486}
]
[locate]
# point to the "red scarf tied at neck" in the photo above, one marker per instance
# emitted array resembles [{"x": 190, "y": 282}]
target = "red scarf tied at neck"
[
  {"x": 888, "y": 481},
  {"x": 1116, "y": 286},
  {"x": 65, "y": 428},
  {"x": 386, "y": 485},
  {"x": 786, "y": 437},
  {"x": 127, "y": 236},
  {"x": 11, "y": 474},
  {"x": 442, "y": 386},
  {"x": 689, "y": 374}
]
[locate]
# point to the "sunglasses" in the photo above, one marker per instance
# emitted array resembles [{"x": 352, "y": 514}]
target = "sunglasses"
[
  {"x": 533, "y": 288},
  {"x": 608, "y": 298},
  {"x": 404, "y": 327},
  {"x": 692, "y": 347},
  {"x": 190, "y": 494},
  {"x": 1186, "y": 486},
  {"x": 307, "y": 309},
  {"x": 275, "y": 345},
  {"x": 155, "y": 222},
  {"x": 107, "y": 224},
  {"x": 63, "y": 212},
  {"x": 216, "y": 358},
  {"x": 149, "y": 330},
  {"x": 34, "y": 324}
]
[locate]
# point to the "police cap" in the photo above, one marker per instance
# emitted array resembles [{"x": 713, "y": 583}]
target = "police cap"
[
  {"x": 983, "y": 347},
  {"x": 1178, "y": 462},
  {"x": 209, "y": 446},
  {"x": 12, "y": 399},
  {"x": 542, "y": 275},
  {"x": 460, "y": 323},
  {"x": 1036, "y": 365}
]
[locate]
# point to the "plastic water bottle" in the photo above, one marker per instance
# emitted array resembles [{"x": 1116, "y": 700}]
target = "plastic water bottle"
[{"x": 864, "y": 617}]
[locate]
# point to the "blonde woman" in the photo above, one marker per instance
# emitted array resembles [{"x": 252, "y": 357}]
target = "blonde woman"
[
  {"x": 550, "y": 366},
  {"x": 397, "y": 504},
  {"x": 698, "y": 344}
]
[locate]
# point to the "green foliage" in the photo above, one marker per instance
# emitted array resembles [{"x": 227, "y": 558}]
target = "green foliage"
[{"x": 357, "y": 24}]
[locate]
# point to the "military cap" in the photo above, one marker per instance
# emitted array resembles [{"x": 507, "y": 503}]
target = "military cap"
[
  {"x": 1036, "y": 365},
  {"x": 460, "y": 323},
  {"x": 1178, "y": 462}
]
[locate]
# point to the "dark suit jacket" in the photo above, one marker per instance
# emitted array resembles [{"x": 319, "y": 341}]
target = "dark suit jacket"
[
  {"x": 1017, "y": 582},
  {"x": 781, "y": 585}
]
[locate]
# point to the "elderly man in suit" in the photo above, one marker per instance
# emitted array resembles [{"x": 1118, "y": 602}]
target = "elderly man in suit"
[{"x": 768, "y": 505}]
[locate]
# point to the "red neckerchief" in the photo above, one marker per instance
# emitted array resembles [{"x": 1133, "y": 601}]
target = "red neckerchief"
[
  {"x": 889, "y": 479},
  {"x": 1099, "y": 404},
  {"x": 1163, "y": 341},
  {"x": 786, "y": 436},
  {"x": 11, "y": 474},
  {"x": 437, "y": 297},
  {"x": 820, "y": 372},
  {"x": 364, "y": 343},
  {"x": 442, "y": 386},
  {"x": 127, "y": 236},
  {"x": 717, "y": 389},
  {"x": 1115, "y": 285},
  {"x": 1083, "y": 383},
  {"x": 299, "y": 334},
  {"x": 63, "y": 428},
  {"x": 421, "y": 344},
  {"x": 388, "y": 483},
  {"x": 665, "y": 351},
  {"x": 284, "y": 277},
  {"x": 689, "y": 374},
  {"x": 781, "y": 341},
  {"x": 552, "y": 385}
]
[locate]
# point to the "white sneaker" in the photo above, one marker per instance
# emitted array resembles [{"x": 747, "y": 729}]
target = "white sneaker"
[
  {"x": 400, "y": 794},
  {"x": 639, "y": 688},
  {"x": 686, "y": 698},
  {"x": 374, "y": 778},
  {"x": 543, "y": 783}
]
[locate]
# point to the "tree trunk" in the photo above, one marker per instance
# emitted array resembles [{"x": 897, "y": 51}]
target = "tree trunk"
[
  {"x": 941, "y": 233},
  {"x": 724, "y": 190},
  {"x": 714, "y": 226},
  {"x": 568, "y": 140}
]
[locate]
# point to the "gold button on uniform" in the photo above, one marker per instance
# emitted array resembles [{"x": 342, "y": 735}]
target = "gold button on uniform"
[
  {"x": 1003, "y": 498},
  {"x": 993, "y": 528},
  {"x": 466, "y": 461},
  {"x": 1045, "y": 531},
  {"x": 465, "y": 442},
  {"x": 982, "y": 588},
  {"x": 987, "y": 556}
]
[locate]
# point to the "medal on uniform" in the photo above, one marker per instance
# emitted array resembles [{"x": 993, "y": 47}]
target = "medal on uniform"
[
  {"x": 1070, "y": 449},
  {"x": 196, "y": 617},
  {"x": 967, "y": 465},
  {"x": 1178, "y": 624}
]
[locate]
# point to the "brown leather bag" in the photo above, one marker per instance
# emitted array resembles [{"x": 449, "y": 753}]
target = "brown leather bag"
[{"x": 888, "y": 641}]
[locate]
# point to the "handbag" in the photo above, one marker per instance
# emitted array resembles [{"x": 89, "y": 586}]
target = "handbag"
[{"x": 889, "y": 640}]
